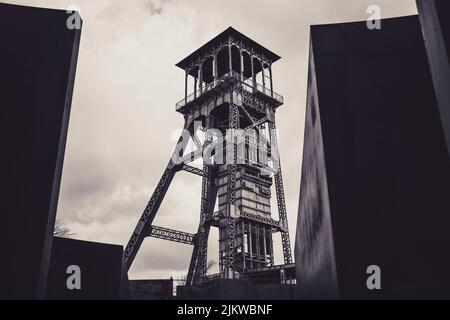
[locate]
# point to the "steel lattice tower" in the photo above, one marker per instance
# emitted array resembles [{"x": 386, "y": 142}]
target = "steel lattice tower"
[{"x": 233, "y": 93}]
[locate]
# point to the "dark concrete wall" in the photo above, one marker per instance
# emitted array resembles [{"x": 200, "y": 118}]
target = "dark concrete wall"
[
  {"x": 435, "y": 21},
  {"x": 100, "y": 265},
  {"x": 387, "y": 167},
  {"x": 37, "y": 71}
]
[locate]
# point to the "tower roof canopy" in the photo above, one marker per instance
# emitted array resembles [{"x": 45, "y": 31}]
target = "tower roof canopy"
[{"x": 224, "y": 36}]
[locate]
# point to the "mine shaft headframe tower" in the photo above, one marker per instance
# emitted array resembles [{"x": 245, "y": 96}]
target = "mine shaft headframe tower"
[{"x": 232, "y": 89}]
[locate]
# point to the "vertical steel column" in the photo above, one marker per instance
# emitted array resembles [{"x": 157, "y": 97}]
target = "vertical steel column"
[
  {"x": 272, "y": 262},
  {"x": 152, "y": 207},
  {"x": 186, "y": 87},
  {"x": 244, "y": 264},
  {"x": 198, "y": 265},
  {"x": 200, "y": 77},
  {"x": 253, "y": 72},
  {"x": 258, "y": 249},
  {"x": 250, "y": 238},
  {"x": 193, "y": 263},
  {"x": 271, "y": 81},
  {"x": 229, "y": 57},
  {"x": 263, "y": 76},
  {"x": 242, "y": 64},
  {"x": 265, "y": 244},
  {"x": 195, "y": 86},
  {"x": 204, "y": 227}
]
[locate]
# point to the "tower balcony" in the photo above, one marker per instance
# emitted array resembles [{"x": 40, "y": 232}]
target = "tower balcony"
[{"x": 223, "y": 83}]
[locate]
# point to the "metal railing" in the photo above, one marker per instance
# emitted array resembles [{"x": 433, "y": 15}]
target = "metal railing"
[{"x": 233, "y": 76}]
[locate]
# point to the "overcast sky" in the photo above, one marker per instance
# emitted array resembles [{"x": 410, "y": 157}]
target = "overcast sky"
[{"x": 123, "y": 112}]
